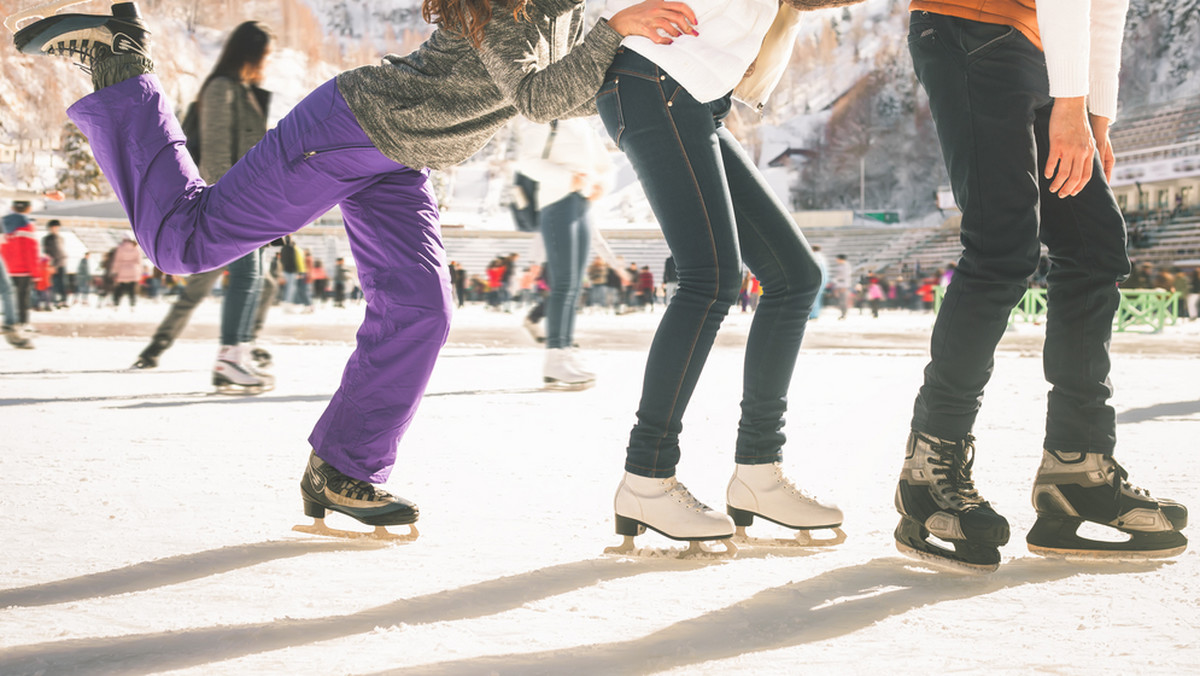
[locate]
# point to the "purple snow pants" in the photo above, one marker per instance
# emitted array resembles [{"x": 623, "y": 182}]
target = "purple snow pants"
[{"x": 316, "y": 158}]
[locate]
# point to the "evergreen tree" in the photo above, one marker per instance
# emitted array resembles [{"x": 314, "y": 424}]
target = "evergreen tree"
[{"x": 81, "y": 177}]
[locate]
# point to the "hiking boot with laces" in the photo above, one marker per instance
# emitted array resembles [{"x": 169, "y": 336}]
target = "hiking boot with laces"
[
  {"x": 1073, "y": 487},
  {"x": 764, "y": 490},
  {"x": 324, "y": 488},
  {"x": 936, "y": 496}
]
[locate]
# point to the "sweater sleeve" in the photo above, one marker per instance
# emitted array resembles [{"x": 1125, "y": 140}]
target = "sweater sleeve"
[
  {"x": 216, "y": 128},
  {"x": 1082, "y": 42},
  {"x": 509, "y": 53},
  {"x": 1108, "y": 31}
]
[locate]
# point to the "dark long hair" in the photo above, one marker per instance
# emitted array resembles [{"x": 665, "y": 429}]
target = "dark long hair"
[
  {"x": 467, "y": 18},
  {"x": 247, "y": 45}
]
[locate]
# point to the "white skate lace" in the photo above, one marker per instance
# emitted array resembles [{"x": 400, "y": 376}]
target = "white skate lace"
[
  {"x": 791, "y": 486},
  {"x": 683, "y": 495}
]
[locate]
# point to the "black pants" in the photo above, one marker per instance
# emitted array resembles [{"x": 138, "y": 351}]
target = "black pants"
[
  {"x": 23, "y": 288},
  {"x": 989, "y": 95}
]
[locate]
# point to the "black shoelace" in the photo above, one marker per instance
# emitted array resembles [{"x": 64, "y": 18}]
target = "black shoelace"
[
  {"x": 83, "y": 51},
  {"x": 954, "y": 462}
]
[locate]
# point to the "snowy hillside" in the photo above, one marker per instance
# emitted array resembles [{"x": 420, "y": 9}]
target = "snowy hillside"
[{"x": 876, "y": 153}]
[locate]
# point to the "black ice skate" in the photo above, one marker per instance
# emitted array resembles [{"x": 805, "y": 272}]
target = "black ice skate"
[
  {"x": 1071, "y": 488},
  {"x": 148, "y": 359},
  {"x": 262, "y": 358},
  {"x": 324, "y": 488},
  {"x": 936, "y": 496},
  {"x": 84, "y": 38}
]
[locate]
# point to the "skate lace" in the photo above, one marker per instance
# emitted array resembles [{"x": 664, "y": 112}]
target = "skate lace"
[
  {"x": 791, "y": 486},
  {"x": 953, "y": 467},
  {"x": 83, "y": 52},
  {"x": 683, "y": 495},
  {"x": 1120, "y": 482},
  {"x": 355, "y": 489}
]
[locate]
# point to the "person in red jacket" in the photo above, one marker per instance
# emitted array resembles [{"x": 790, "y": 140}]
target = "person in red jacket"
[
  {"x": 20, "y": 251},
  {"x": 645, "y": 288},
  {"x": 42, "y": 279}
]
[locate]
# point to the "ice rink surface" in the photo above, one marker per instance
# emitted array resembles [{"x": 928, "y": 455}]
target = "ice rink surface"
[{"x": 147, "y": 521}]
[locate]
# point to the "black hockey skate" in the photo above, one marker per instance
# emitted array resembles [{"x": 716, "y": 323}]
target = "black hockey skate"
[
  {"x": 936, "y": 496},
  {"x": 262, "y": 358},
  {"x": 1072, "y": 488},
  {"x": 84, "y": 38},
  {"x": 148, "y": 359},
  {"x": 324, "y": 488}
]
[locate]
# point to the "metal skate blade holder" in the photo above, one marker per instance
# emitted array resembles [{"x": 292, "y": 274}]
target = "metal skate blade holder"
[
  {"x": 381, "y": 533},
  {"x": 694, "y": 550},
  {"x": 38, "y": 12},
  {"x": 803, "y": 538}
]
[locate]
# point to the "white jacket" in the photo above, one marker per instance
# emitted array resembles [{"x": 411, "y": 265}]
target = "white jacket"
[{"x": 575, "y": 149}]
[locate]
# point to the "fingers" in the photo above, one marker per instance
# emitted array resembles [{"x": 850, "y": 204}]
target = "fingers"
[
  {"x": 659, "y": 22},
  {"x": 1069, "y": 166},
  {"x": 1108, "y": 161},
  {"x": 1069, "y": 173},
  {"x": 682, "y": 8}
]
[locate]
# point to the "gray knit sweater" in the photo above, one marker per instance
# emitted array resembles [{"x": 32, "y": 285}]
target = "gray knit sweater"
[{"x": 439, "y": 105}]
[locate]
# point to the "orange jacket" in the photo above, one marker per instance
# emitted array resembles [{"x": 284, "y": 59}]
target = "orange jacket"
[{"x": 1020, "y": 14}]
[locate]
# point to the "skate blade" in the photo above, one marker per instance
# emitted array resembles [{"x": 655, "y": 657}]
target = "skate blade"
[
  {"x": 38, "y": 12},
  {"x": 381, "y": 533},
  {"x": 695, "y": 550},
  {"x": 803, "y": 539},
  {"x": 240, "y": 390},
  {"x": 944, "y": 564},
  {"x": 563, "y": 386},
  {"x": 1105, "y": 555}
]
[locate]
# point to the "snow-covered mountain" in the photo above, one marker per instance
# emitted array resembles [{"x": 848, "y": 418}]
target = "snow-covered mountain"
[{"x": 848, "y": 117}]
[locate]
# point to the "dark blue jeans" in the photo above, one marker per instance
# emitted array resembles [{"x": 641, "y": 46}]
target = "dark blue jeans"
[
  {"x": 239, "y": 303},
  {"x": 989, "y": 95},
  {"x": 567, "y": 236},
  {"x": 716, "y": 212}
]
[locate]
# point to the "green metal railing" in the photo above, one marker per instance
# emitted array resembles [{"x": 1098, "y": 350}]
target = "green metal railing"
[{"x": 1152, "y": 308}]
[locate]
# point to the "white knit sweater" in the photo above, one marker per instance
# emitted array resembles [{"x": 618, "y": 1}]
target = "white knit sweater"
[{"x": 1082, "y": 41}]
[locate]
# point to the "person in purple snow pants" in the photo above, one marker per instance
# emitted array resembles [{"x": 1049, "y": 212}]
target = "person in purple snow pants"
[{"x": 365, "y": 140}]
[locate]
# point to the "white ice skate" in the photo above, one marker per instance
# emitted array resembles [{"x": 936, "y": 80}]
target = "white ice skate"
[
  {"x": 13, "y": 21},
  {"x": 577, "y": 363},
  {"x": 232, "y": 374},
  {"x": 561, "y": 373},
  {"x": 17, "y": 338},
  {"x": 668, "y": 507},
  {"x": 763, "y": 490}
]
